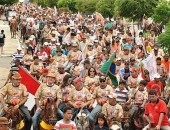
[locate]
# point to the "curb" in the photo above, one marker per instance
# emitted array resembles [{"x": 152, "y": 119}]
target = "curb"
[{"x": 7, "y": 55}]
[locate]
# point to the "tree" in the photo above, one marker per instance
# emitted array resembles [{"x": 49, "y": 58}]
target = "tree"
[
  {"x": 86, "y": 6},
  {"x": 162, "y": 13},
  {"x": 70, "y": 4},
  {"x": 105, "y": 7},
  {"x": 135, "y": 9},
  {"x": 8, "y": 2},
  {"x": 164, "y": 39},
  {"x": 45, "y": 3}
]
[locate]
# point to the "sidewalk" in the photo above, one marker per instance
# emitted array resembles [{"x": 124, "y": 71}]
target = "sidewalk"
[{"x": 10, "y": 44}]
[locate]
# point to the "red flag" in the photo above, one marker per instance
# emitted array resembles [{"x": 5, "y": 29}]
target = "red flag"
[{"x": 31, "y": 83}]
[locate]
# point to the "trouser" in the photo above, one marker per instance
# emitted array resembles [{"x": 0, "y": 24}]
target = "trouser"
[
  {"x": 28, "y": 119},
  {"x": 36, "y": 117},
  {"x": 93, "y": 113},
  {"x": 162, "y": 128},
  {"x": 27, "y": 116}
]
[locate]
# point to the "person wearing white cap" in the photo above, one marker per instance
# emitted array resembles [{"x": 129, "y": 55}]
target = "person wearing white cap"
[
  {"x": 19, "y": 54},
  {"x": 47, "y": 49},
  {"x": 155, "y": 84},
  {"x": 97, "y": 47},
  {"x": 112, "y": 109},
  {"x": 100, "y": 95},
  {"x": 90, "y": 52}
]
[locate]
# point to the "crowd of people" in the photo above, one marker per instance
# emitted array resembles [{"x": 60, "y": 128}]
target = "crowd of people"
[{"x": 65, "y": 53}]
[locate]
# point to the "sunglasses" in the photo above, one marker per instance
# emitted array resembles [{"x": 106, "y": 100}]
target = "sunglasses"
[
  {"x": 58, "y": 51},
  {"x": 102, "y": 80},
  {"x": 126, "y": 63},
  {"x": 92, "y": 71}
]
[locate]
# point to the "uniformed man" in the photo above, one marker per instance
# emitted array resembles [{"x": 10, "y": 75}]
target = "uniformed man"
[
  {"x": 45, "y": 91},
  {"x": 100, "y": 94},
  {"x": 112, "y": 110},
  {"x": 17, "y": 95},
  {"x": 79, "y": 97}
]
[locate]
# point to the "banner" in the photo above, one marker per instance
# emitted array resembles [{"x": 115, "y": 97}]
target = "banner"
[
  {"x": 31, "y": 83},
  {"x": 150, "y": 64}
]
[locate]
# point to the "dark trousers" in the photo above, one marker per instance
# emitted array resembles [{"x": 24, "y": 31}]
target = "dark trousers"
[{"x": 28, "y": 119}]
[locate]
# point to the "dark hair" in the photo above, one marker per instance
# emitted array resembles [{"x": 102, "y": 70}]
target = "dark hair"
[
  {"x": 102, "y": 116},
  {"x": 35, "y": 57},
  {"x": 2, "y": 31},
  {"x": 65, "y": 80},
  {"x": 86, "y": 62},
  {"x": 152, "y": 92},
  {"x": 65, "y": 109},
  {"x": 158, "y": 58},
  {"x": 30, "y": 49},
  {"x": 143, "y": 82},
  {"x": 122, "y": 82},
  {"x": 95, "y": 73}
]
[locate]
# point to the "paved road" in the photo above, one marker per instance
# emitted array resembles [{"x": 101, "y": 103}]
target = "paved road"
[{"x": 9, "y": 48}]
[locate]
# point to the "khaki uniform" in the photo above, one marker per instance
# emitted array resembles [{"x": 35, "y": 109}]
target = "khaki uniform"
[
  {"x": 61, "y": 59},
  {"x": 81, "y": 96},
  {"x": 44, "y": 92},
  {"x": 98, "y": 49},
  {"x": 14, "y": 94},
  {"x": 73, "y": 56},
  {"x": 59, "y": 77},
  {"x": 38, "y": 67},
  {"x": 112, "y": 111},
  {"x": 27, "y": 59},
  {"x": 91, "y": 83},
  {"x": 101, "y": 94},
  {"x": 125, "y": 57},
  {"x": 63, "y": 93}
]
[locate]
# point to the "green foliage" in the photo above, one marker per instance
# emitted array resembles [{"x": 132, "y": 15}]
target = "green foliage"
[
  {"x": 162, "y": 12},
  {"x": 8, "y": 2},
  {"x": 164, "y": 39},
  {"x": 70, "y": 4},
  {"x": 134, "y": 9},
  {"x": 86, "y": 6},
  {"x": 45, "y": 3},
  {"x": 105, "y": 7}
]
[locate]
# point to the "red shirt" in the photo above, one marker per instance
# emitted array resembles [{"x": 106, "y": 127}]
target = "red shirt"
[
  {"x": 157, "y": 86},
  {"x": 153, "y": 111},
  {"x": 47, "y": 50}
]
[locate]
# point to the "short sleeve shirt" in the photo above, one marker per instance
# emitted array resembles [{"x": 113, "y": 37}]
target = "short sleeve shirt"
[
  {"x": 101, "y": 94},
  {"x": 80, "y": 96},
  {"x": 2, "y": 36},
  {"x": 112, "y": 111},
  {"x": 14, "y": 93},
  {"x": 63, "y": 93},
  {"x": 44, "y": 92},
  {"x": 153, "y": 111}
]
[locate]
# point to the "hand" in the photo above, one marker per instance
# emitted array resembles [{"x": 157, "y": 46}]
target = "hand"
[
  {"x": 75, "y": 105},
  {"x": 38, "y": 109},
  {"x": 6, "y": 109},
  {"x": 16, "y": 107},
  {"x": 158, "y": 127},
  {"x": 82, "y": 105},
  {"x": 91, "y": 105}
]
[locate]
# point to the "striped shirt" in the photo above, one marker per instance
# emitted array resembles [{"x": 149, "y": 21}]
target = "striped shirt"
[
  {"x": 122, "y": 95},
  {"x": 18, "y": 56}
]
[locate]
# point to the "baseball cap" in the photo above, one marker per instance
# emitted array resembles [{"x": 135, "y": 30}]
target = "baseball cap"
[{"x": 113, "y": 95}]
